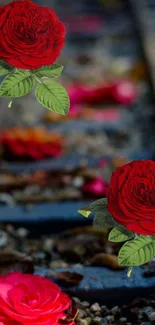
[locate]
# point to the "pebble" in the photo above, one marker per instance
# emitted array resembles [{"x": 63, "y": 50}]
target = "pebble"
[
  {"x": 58, "y": 264},
  {"x": 152, "y": 317},
  {"x": 123, "y": 319},
  {"x": 85, "y": 303},
  {"x": 48, "y": 244},
  {"x": 79, "y": 266},
  {"x": 82, "y": 321},
  {"x": 107, "y": 312},
  {"x": 31, "y": 190},
  {"x": 147, "y": 310},
  {"x": 104, "y": 309},
  {"x": 22, "y": 232},
  {"x": 78, "y": 181},
  {"x": 91, "y": 315},
  {"x": 95, "y": 307},
  {"x": 98, "y": 313},
  {"x": 97, "y": 320},
  {"x": 88, "y": 320},
  {"x": 115, "y": 310},
  {"x": 3, "y": 238},
  {"x": 82, "y": 313},
  {"x": 76, "y": 300},
  {"x": 39, "y": 257},
  {"x": 110, "y": 318}
]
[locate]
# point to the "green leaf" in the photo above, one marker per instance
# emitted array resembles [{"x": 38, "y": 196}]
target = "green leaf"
[
  {"x": 52, "y": 71},
  {"x": 17, "y": 84},
  {"x": 129, "y": 271},
  {"x": 53, "y": 96},
  {"x": 120, "y": 234},
  {"x": 85, "y": 212},
  {"x": 4, "y": 68},
  {"x": 104, "y": 220},
  {"x": 99, "y": 205},
  {"x": 137, "y": 251}
]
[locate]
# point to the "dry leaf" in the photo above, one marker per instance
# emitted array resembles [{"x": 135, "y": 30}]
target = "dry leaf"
[
  {"x": 108, "y": 260},
  {"x": 118, "y": 162},
  {"x": 69, "y": 279},
  {"x": 11, "y": 260}
]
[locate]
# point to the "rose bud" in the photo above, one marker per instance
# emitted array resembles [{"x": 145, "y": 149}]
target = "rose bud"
[
  {"x": 122, "y": 92},
  {"x": 97, "y": 187}
]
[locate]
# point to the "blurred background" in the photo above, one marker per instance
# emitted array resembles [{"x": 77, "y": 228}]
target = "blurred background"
[
  {"x": 51, "y": 165},
  {"x": 108, "y": 73}
]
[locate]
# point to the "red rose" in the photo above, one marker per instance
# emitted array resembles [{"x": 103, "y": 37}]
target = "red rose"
[
  {"x": 30, "y": 36},
  {"x": 31, "y": 299},
  {"x": 131, "y": 196}
]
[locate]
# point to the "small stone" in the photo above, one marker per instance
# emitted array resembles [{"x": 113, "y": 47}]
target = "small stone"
[
  {"x": 151, "y": 317},
  {"x": 3, "y": 238},
  {"x": 82, "y": 313},
  {"x": 110, "y": 318},
  {"x": 22, "y": 232},
  {"x": 88, "y": 320},
  {"x": 147, "y": 310},
  {"x": 48, "y": 244},
  {"x": 76, "y": 300},
  {"x": 79, "y": 266},
  {"x": 107, "y": 312},
  {"x": 39, "y": 257},
  {"x": 10, "y": 229},
  {"x": 104, "y": 309},
  {"x": 82, "y": 321},
  {"x": 115, "y": 310},
  {"x": 58, "y": 264},
  {"x": 85, "y": 303},
  {"x": 95, "y": 307},
  {"x": 140, "y": 316},
  {"x": 123, "y": 320},
  {"x": 97, "y": 320},
  {"x": 98, "y": 313},
  {"x": 78, "y": 181}
]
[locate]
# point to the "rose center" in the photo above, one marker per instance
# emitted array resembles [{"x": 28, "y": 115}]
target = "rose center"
[
  {"x": 145, "y": 194},
  {"x": 25, "y": 32},
  {"x": 30, "y": 302}
]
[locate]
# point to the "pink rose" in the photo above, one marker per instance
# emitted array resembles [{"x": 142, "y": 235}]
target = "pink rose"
[{"x": 31, "y": 299}]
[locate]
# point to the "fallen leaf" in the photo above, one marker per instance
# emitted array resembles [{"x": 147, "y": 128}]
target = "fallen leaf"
[
  {"x": 85, "y": 212},
  {"x": 118, "y": 162},
  {"x": 88, "y": 230},
  {"x": 11, "y": 260},
  {"x": 108, "y": 260},
  {"x": 69, "y": 279}
]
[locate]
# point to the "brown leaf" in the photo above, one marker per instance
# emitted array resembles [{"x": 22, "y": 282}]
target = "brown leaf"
[
  {"x": 11, "y": 260},
  {"x": 118, "y": 162},
  {"x": 8, "y": 181},
  {"x": 108, "y": 260},
  {"x": 89, "y": 230},
  {"x": 69, "y": 279}
]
